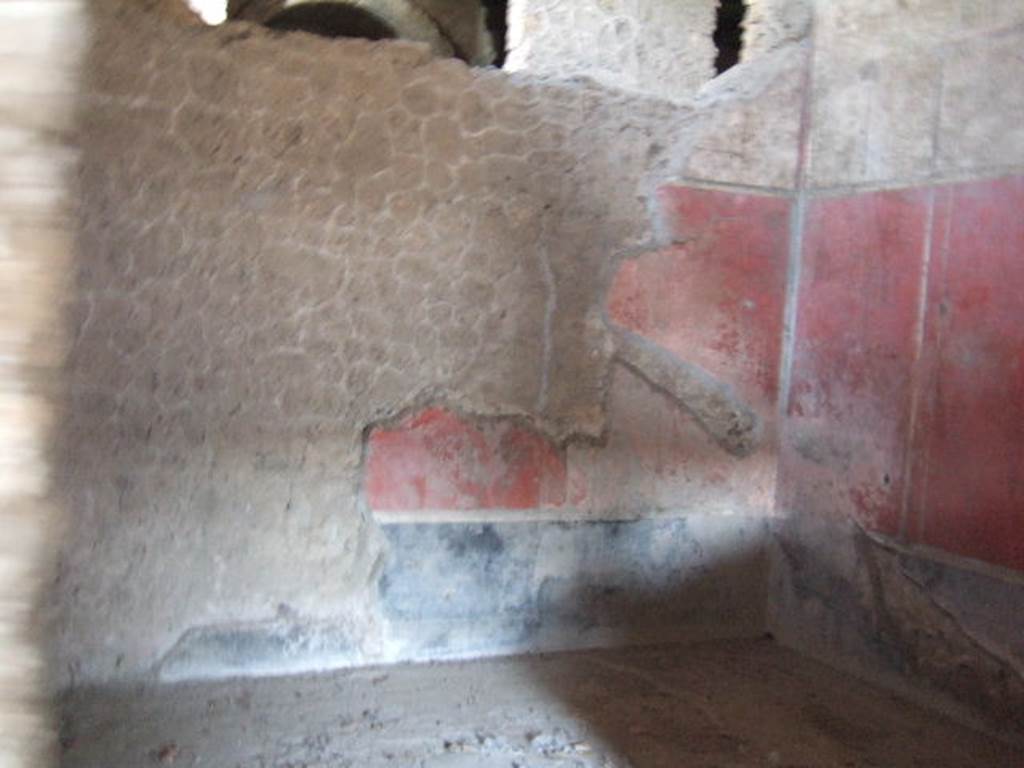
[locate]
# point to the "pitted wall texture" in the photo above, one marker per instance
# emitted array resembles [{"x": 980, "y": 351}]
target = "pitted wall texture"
[
  {"x": 286, "y": 240},
  {"x": 291, "y": 246},
  {"x": 663, "y": 49}
]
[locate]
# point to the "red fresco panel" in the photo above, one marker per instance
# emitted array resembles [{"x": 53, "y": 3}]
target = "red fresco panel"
[
  {"x": 969, "y": 470},
  {"x": 847, "y": 426},
  {"x": 438, "y": 460},
  {"x": 715, "y": 298}
]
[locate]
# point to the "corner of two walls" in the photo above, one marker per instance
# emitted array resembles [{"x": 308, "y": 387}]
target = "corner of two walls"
[
  {"x": 901, "y": 542},
  {"x": 465, "y": 396},
  {"x": 378, "y": 357},
  {"x": 651, "y": 521}
]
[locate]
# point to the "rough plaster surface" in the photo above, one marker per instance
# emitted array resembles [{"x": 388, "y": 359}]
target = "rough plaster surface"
[
  {"x": 746, "y": 129},
  {"x": 771, "y": 24},
  {"x": 663, "y": 49},
  {"x": 910, "y": 91},
  {"x": 286, "y": 240},
  {"x": 39, "y": 47}
]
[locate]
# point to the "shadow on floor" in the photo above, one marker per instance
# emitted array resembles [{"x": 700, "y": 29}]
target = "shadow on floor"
[
  {"x": 726, "y": 704},
  {"x": 747, "y": 703}
]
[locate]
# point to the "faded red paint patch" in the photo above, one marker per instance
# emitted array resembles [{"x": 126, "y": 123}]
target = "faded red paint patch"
[
  {"x": 969, "y": 464},
  {"x": 657, "y": 457},
  {"x": 716, "y": 298},
  {"x": 846, "y": 435},
  {"x": 439, "y": 460}
]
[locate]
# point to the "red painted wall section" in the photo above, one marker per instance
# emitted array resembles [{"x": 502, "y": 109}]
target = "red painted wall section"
[
  {"x": 969, "y": 459},
  {"x": 844, "y": 444},
  {"x": 716, "y": 297},
  {"x": 917, "y": 438},
  {"x": 439, "y": 460},
  {"x": 911, "y": 424}
]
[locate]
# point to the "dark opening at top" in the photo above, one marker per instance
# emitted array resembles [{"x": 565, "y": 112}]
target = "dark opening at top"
[
  {"x": 497, "y": 25},
  {"x": 728, "y": 34},
  {"x": 331, "y": 20},
  {"x": 453, "y": 28}
]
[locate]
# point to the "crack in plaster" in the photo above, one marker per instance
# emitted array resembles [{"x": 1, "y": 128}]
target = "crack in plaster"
[
  {"x": 999, "y": 656},
  {"x": 550, "y": 307}
]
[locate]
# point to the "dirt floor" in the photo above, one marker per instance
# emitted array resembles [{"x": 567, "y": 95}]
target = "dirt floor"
[{"x": 726, "y": 705}]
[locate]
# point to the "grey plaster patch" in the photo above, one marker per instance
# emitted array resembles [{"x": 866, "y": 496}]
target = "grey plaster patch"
[
  {"x": 461, "y": 589},
  {"x": 770, "y": 24},
  {"x": 457, "y": 590},
  {"x": 270, "y": 648},
  {"x": 647, "y": 46},
  {"x": 906, "y": 92},
  {"x": 746, "y": 129},
  {"x": 873, "y": 117},
  {"x": 982, "y": 117}
]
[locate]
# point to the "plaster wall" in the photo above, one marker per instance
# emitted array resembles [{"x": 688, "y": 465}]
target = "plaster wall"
[
  {"x": 380, "y": 357},
  {"x": 900, "y": 554},
  {"x": 645, "y": 46},
  {"x": 290, "y": 245},
  {"x": 664, "y": 49}
]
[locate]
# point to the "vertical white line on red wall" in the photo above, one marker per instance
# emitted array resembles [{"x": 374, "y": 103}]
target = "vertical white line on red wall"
[
  {"x": 937, "y": 266},
  {"x": 916, "y": 379},
  {"x": 797, "y": 215},
  {"x": 797, "y": 218}
]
